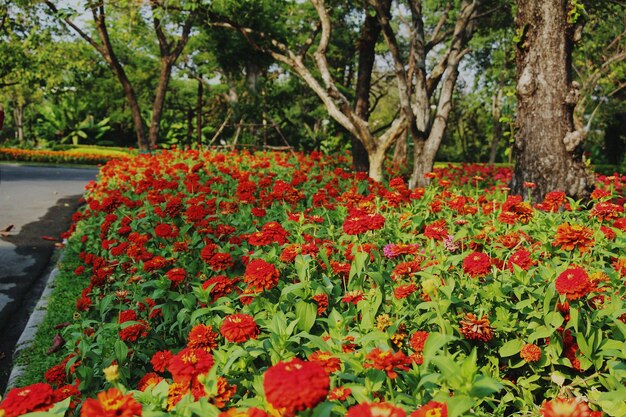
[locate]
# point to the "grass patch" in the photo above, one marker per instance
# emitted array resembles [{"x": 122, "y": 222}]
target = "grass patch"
[{"x": 61, "y": 308}]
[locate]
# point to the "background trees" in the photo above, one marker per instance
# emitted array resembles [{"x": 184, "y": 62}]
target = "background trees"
[{"x": 403, "y": 82}]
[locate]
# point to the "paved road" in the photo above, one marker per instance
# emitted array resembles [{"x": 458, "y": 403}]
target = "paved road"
[{"x": 37, "y": 201}]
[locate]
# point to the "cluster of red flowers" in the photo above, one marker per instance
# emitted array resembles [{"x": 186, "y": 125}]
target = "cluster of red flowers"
[{"x": 197, "y": 252}]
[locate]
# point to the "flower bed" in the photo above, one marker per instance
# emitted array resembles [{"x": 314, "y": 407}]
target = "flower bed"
[
  {"x": 58, "y": 157},
  {"x": 253, "y": 285}
]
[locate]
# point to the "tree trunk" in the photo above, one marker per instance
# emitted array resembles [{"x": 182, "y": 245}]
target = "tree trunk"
[
  {"x": 400, "y": 152},
  {"x": 18, "y": 116},
  {"x": 376, "y": 161},
  {"x": 496, "y": 113},
  {"x": 367, "y": 55},
  {"x": 159, "y": 100},
  {"x": 199, "y": 118},
  {"x": 546, "y": 144}
]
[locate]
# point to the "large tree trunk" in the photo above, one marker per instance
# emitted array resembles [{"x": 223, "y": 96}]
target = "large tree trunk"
[
  {"x": 546, "y": 144},
  {"x": 367, "y": 55},
  {"x": 401, "y": 151}
]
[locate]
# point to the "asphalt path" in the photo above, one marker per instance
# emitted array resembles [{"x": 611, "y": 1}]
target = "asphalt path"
[{"x": 35, "y": 202}]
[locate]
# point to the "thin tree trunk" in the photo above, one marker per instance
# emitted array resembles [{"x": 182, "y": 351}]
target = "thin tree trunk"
[
  {"x": 546, "y": 144},
  {"x": 496, "y": 113},
  {"x": 199, "y": 118},
  {"x": 159, "y": 101},
  {"x": 18, "y": 116}
]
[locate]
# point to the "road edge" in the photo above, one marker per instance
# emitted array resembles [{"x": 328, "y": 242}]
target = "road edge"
[{"x": 36, "y": 318}]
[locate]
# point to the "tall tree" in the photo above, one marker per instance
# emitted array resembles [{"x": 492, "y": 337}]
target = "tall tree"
[
  {"x": 417, "y": 81},
  {"x": 162, "y": 16},
  {"x": 547, "y": 144}
]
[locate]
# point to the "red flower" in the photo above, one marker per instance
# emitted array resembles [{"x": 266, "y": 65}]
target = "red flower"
[
  {"x": 202, "y": 337},
  {"x": 238, "y": 328},
  {"x": 322, "y": 303},
  {"x": 437, "y": 230},
  {"x": 134, "y": 331},
  {"x": 148, "y": 380},
  {"x": 176, "y": 276},
  {"x": 375, "y": 410},
  {"x": 111, "y": 403},
  {"x": 187, "y": 364},
  {"x": 295, "y": 385},
  {"x": 530, "y": 352},
  {"x": 353, "y": 297},
  {"x": 270, "y": 232},
  {"x": 220, "y": 286},
  {"x": 327, "y": 360},
  {"x": 431, "y": 409},
  {"x": 221, "y": 261},
  {"x": 165, "y": 231},
  {"x": 477, "y": 264},
  {"x": 261, "y": 275},
  {"x": 387, "y": 361},
  {"x": 403, "y": 291},
  {"x": 339, "y": 394},
  {"x": 357, "y": 224},
  {"x": 521, "y": 258},
  {"x": 160, "y": 360},
  {"x": 418, "y": 340},
  {"x": 35, "y": 397},
  {"x": 565, "y": 407},
  {"x": 574, "y": 283},
  {"x": 250, "y": 412}
]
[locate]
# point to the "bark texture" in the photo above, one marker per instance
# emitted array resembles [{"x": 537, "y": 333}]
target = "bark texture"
[{"x": 546, "y": 144}]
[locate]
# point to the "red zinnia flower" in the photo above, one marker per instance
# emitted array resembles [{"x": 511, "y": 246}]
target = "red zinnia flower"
[
  {"x": 477, "y": 264},
  {"x": 565, "y": 407},
  {"x": 295, "y": 385},
  {"x": 387, "y": 361},
  {"x": 418, "y": 340},
  {"x": 238, "y": 328},
  {"x": 361, "y": 223},
  {"x": 160, "y": 360},
  {"x": 339, "y": 394},
  {"x": 327, "y": 360},
  {"x": 35, "y": 397},
  {"x": 111, "y": 403},
  {"x": 322, "y": 303},
  {"x": 521, "y": 258},
  {"x": 437, "y": 230},
  {"x": 431, "y": 409},
  {"x": 375, "y": 410},
  {"x": 187, "y": 364},
  {"x": 574, "y": 283},
  {"x": 148, "y": 380},
  {"x": 569, "y": 237},
  {"x": 176, "y": 276},
  {"x": 220, "y": 286},
  {"x": 261, "y": 275}
]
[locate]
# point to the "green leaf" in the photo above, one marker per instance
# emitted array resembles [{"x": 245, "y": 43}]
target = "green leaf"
[
  {"x": 484, "y": 386},
  {"x": 510, "y": 348},
  {"x": 121, "y": 351},
  {"x": 433, "y": 344},
  {"x": 306, "y": 314}
]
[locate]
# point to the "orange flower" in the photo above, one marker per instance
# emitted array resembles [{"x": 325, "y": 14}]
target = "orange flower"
[
  {"x": 339, "y": 394},
  {"x": 175, "y": 392},
  {"x": 565, "y": 407},
  {"x": 431, "y": 409},
  {"x": 418, "y": 340},
  {"x": 474, "y": 328},
  {"x": 569, "y": 237},
  {"x": 202, "y": 337},
  {"x": 148, "y": 380},
  {"x": 530, "y": 352},
  {"x": 111, "y": 403}
]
